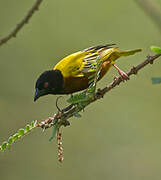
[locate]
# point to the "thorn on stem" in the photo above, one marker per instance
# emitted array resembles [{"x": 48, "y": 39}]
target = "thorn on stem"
[
  {"x": 150, "y": 58},
  {"x": 134, "y": 70},
  {"x": 115, "y": 78},
  {"x": 99, "y": 93}
]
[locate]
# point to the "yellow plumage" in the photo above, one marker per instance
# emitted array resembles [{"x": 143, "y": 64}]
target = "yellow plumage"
[{"x": 78, "y": 64}]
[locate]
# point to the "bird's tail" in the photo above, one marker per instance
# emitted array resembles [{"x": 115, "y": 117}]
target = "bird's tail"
[
  {"x": 115, "y": 53},
  {"x": 128, "y": 52},
  {"x": 156, "y": 80}
]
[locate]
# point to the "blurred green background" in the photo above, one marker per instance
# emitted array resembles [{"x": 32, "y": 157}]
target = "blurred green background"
[{"x": 118, "y": 137}]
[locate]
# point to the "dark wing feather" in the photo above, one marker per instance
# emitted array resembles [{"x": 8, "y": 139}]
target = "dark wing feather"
[
  {"x": 96, "y": 48},
  {"x": 90, "y": 61}
]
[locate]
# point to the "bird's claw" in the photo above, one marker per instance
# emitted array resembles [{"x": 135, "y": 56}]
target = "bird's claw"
[{"x": 123, "y": 75}]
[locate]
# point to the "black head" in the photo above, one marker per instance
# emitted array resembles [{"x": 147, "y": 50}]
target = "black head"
[{"x": 49, "y": 82}]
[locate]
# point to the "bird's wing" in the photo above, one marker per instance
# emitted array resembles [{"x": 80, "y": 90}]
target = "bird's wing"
[
  {"x": 97, "y": 48},
  {"x": 95, "y": 54},
  {"x": 82, "y": 62}
]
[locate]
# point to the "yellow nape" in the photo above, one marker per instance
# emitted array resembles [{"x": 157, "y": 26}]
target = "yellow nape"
[{"x": 71, "y": 65}]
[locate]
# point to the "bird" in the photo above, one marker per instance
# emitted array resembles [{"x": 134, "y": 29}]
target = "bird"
[{"x": 71, "y": 74}]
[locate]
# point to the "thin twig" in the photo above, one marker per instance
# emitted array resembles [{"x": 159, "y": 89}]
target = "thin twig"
[
  {"x": 152, "y": 9},
  {"x": 65, "y": 115},
  {"x": 24, "y": 21},
  {"x": 60, "y": 147}
]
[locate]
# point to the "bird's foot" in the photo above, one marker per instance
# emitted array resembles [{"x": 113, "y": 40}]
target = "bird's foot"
[{"x": 123, "y": 75}]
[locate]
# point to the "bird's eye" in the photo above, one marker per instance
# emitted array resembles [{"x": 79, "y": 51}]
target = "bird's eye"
[{"x": 46, "y": 85}]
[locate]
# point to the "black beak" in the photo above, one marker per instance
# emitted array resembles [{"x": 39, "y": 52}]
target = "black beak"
[{"x": 37, "y": 94}]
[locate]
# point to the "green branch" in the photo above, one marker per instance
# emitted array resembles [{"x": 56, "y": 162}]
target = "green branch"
[{"x": 20, "y": 133}]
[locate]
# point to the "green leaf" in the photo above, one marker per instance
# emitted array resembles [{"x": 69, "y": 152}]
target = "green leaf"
[
  {"x": 4, "y": 145},
  {"x": 77, "y": 115},
  {"x": 156, "y": 49},
  {"x": 8, "y": 146},
  {"x": 77, "y": 98},
  {"x": 15, "y": 137},
  {"x": 10, "y": 140},
  {"x": 21, "y": 132},
  {"x": 84, "y": 103},
  {"x": 27, "y": 128},
  {"x": 32, "y": 123},
  {"x": 53, "y": 132},
  {"x": 92, "y": 89}
]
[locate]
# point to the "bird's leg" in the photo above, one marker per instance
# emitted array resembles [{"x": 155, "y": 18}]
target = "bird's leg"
[
  {"x": 59, "y": 110},
  {"x": 68, "y": 108},
  {"x": 122, "y": 73},
  {"x": 65, "y": 109}
]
